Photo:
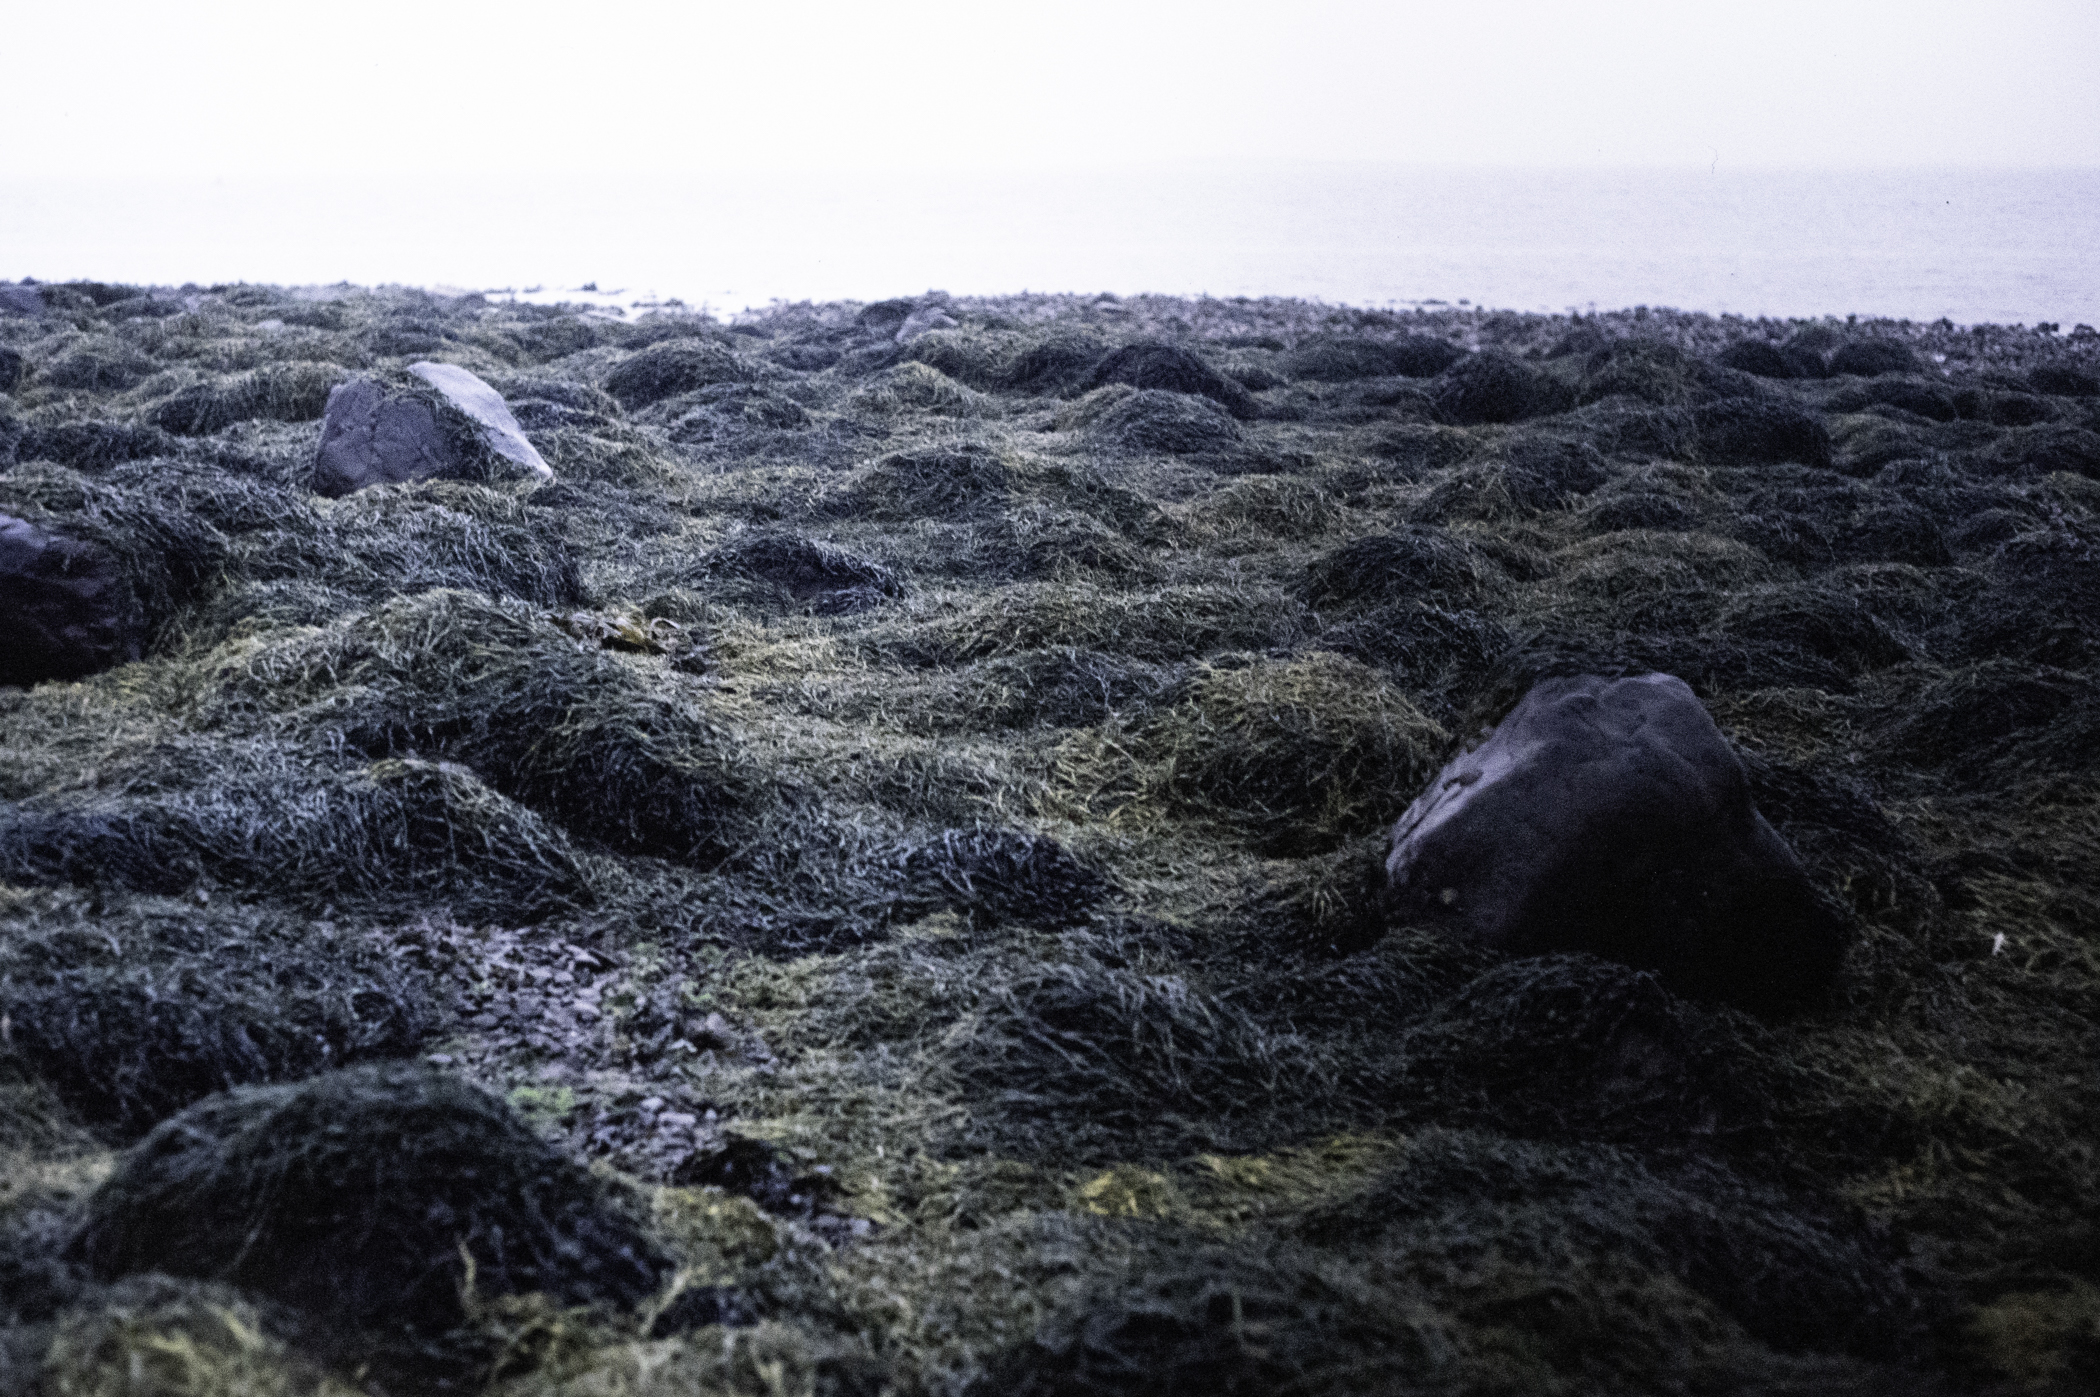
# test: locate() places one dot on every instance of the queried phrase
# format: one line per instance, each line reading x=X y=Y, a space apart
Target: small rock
x=1611 y=816
x=437 y=421
x=70 y=611
x=886 y=317
x=931 y=316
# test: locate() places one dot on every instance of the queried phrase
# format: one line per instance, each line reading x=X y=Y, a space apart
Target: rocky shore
x=852 y=850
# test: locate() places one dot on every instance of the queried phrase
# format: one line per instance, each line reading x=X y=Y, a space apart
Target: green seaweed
x=902 y=826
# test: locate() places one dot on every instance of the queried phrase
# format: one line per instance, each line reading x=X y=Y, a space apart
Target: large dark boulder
x=1171 y=369
x=1492 y=387
x=435 y=422
x=69 y=610
x=1611 y=816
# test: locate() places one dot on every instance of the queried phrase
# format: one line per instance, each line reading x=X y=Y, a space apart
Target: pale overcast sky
x=230 y=87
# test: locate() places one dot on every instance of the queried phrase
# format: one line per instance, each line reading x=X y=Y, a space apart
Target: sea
x=1967 y=245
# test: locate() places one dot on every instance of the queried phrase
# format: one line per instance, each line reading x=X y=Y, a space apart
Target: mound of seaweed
x=189 y=1000
x=888 y=852
x=564 y=728
x=1172 y=369
x=375 y=1201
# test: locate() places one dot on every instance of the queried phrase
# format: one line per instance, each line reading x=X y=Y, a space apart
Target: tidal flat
x=869 y=879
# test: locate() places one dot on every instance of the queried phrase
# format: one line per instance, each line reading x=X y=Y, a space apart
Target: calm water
x=1969 y=245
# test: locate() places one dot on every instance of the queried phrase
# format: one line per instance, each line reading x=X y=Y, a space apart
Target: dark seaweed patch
x=360 y=1198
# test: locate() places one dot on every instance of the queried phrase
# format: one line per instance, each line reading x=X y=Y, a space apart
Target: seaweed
x=939 y=790
x=135 y=1007
x=1155 y=420
x=374 y=1201
x=562 y=728
x=293 y=392
x=1295 y=755
x=994 y=875
x=103 y=364
x=671 y=367
x=399 y=832
x=1053 y=362
x=1392 y=566
x=1755 y=431
x=1871 y=358
x=1491 y=386
x=1343 y=359
x=92 y=446
x=1169 y=368
x=1074 y=1059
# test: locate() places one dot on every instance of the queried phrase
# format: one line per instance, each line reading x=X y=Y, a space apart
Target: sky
x=177 y=90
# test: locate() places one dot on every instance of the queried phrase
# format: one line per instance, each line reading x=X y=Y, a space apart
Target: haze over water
x=1969 y=245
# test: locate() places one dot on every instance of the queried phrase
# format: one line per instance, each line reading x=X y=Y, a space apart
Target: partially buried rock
x=69 y=609
x=436 y=421
x=1611 y=816
x=929 y=316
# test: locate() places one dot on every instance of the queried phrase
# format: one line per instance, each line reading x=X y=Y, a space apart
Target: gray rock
x=485 y=405
x=932 y=316
x=1611 y=816
x=66 y=609
x=437 y=421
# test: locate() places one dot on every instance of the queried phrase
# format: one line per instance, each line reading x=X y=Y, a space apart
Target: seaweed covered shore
x=868 y=880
